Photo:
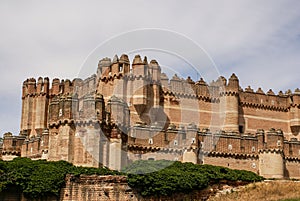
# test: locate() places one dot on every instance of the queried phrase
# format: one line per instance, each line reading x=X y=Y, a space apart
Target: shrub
x=180 y=177
x=39 y=178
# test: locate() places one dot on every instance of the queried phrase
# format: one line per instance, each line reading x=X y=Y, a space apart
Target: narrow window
x=241 y=129
x=60 y=112
x=193 y=140
x=278 y=143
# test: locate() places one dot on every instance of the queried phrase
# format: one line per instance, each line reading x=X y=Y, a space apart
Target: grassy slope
x=267 y=191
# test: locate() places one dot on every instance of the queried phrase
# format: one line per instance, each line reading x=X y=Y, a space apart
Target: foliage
x=146 y=166
x=39 y=178
x=180 y=177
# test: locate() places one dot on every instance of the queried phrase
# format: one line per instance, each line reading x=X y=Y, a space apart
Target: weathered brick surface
x=138 y=109
x=233 y=162
x=98 y=188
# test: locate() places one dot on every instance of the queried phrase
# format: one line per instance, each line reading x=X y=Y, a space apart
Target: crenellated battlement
x=140 y=69
x=132 y=110
x=188 y=87
x=120 y=68
x=33 y=88
x=222 y=142
x=137 y=86
x=269 y=100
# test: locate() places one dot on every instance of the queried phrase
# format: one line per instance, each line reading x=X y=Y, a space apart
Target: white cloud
x=259 y=40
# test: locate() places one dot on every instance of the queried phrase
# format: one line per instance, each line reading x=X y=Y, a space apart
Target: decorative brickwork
x=129 y=112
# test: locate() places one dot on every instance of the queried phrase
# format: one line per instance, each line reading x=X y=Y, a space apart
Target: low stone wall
x=98 y=188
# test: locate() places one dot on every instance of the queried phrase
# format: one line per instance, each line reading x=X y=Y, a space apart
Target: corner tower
x=229 y=100
x=295 y=113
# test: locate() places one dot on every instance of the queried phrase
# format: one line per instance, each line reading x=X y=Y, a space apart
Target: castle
x=128 y=112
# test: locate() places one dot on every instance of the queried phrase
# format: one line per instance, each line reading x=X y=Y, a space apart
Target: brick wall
x=233 y=162
x=98 y=188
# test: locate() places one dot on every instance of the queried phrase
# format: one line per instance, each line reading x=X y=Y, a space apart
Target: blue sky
x=258 y=40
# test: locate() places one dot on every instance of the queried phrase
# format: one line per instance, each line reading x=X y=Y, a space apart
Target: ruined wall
x=96 y=188
x=115 y=188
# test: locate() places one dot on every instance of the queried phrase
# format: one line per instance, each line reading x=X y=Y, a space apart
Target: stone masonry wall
x=98 y=188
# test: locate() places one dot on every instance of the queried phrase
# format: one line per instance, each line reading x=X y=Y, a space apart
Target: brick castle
x=128 y=112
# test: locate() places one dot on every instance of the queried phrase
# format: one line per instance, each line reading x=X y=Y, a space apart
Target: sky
x=257 y=40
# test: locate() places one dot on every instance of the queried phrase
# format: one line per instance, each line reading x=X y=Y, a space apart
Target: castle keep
x=127 y=112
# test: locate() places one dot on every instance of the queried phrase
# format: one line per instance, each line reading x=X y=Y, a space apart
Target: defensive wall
x=134 y=111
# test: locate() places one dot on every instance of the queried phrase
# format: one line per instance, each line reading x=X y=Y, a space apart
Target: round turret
x=118 y=110
x=31 y=84
x=124 y=59
x=155 y=70
x=233 y=83
x=55 y=86
x=103 y=67
x=137 y=60
x=229 y=104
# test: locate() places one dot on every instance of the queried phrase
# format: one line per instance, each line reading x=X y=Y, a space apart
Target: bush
x=40 y=178
x=180 y=177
